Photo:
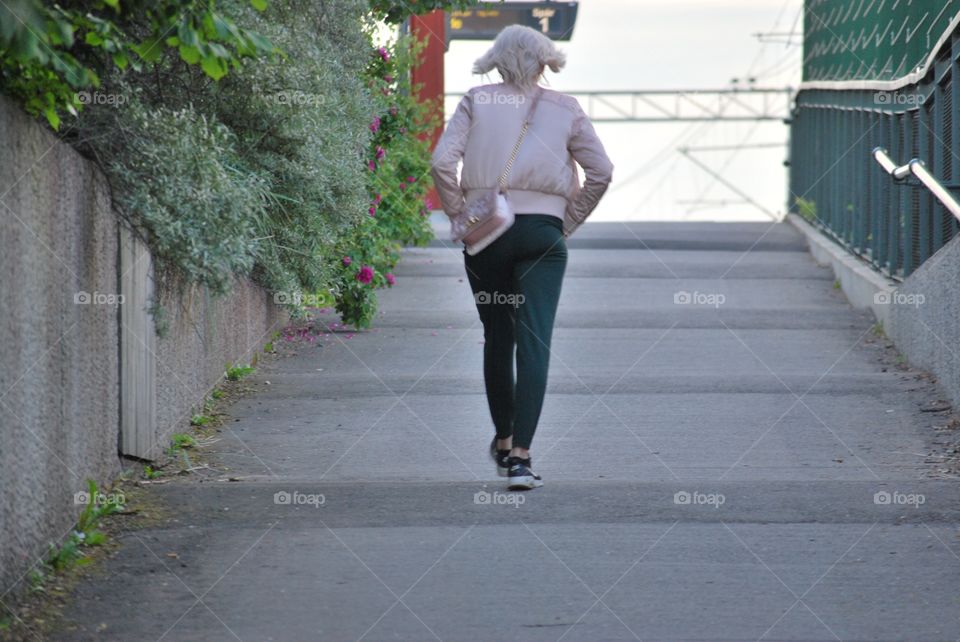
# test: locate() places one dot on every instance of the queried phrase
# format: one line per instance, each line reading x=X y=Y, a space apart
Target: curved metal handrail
x=920 y=171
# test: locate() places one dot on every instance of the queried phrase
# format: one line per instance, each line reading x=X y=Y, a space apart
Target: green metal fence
x=871 y=39
x=836 y=184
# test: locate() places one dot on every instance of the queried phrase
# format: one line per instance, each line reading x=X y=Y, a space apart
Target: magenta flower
x=390 y=278
x=377 y=199
x=365 y=275
x=411 y=179
x=347 y=261
x=403 y=187
x=375 y=125
x=384 y=54
x=427 y=203
x=372 y=211
x=380 y=153
x=372 y=166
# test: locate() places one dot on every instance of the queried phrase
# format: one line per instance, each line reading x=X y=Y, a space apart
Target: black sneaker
x=500 y=457
x=521 y=476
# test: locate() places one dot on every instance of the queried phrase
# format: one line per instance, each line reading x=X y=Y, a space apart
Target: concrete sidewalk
x=726 y=457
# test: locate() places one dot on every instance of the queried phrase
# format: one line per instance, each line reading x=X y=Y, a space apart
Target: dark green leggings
x=516 y=284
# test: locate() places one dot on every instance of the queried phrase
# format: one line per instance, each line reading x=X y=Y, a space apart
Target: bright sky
x=654 y=44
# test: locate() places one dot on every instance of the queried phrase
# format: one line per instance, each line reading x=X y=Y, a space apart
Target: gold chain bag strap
x=488 y=215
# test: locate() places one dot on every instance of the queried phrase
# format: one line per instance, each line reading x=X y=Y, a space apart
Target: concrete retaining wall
x=921 y=315
x=864 y=286
x=204 y=335
x=59 y=367
x=924 y=318
x=73 y=356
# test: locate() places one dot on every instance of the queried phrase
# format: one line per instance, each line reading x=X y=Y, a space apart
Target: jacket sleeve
x=588 y=151
x=447 y=155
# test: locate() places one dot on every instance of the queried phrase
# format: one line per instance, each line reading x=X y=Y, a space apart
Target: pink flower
x=375 y=125
x=403 y=187
x=390 y=278
x=346 y=261
x=427 y=203
x=372 y=166
x=411 y=179
x=372 y=211
x=384 y=54
x=380 y=153
x=377 y=199
x=365 y=275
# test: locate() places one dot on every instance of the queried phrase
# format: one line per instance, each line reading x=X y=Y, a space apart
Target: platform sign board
x=484 y=22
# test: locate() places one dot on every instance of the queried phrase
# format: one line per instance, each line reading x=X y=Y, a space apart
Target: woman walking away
x=520 y=145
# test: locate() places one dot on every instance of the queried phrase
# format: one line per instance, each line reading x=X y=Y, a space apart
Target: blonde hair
x=520 y=53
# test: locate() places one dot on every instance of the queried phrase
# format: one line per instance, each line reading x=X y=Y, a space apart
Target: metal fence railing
x=835 y=183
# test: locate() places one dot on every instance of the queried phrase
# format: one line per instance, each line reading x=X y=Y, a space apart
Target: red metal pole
x=430 y=27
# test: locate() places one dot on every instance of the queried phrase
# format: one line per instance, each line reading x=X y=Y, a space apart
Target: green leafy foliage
x=398 y=166
x=236 y=373
x=302 y=123
x=269 y=139
x=807 y=209
x=396 y=11
x=86 y=533
x=200 y=420
x=50 y=54
x=202 y=210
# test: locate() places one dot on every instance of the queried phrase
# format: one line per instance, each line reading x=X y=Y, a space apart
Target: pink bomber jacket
x=544 y=177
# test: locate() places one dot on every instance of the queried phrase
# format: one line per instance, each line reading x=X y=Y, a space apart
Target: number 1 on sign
x=544 y=16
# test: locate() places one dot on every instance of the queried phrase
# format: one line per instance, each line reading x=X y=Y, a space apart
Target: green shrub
x=178 y=175
x=303 y=121
x=51 y=53
x=807 y=209
x=309 y=150
x=236 y=373
x=396 y=11
x=398 y=165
